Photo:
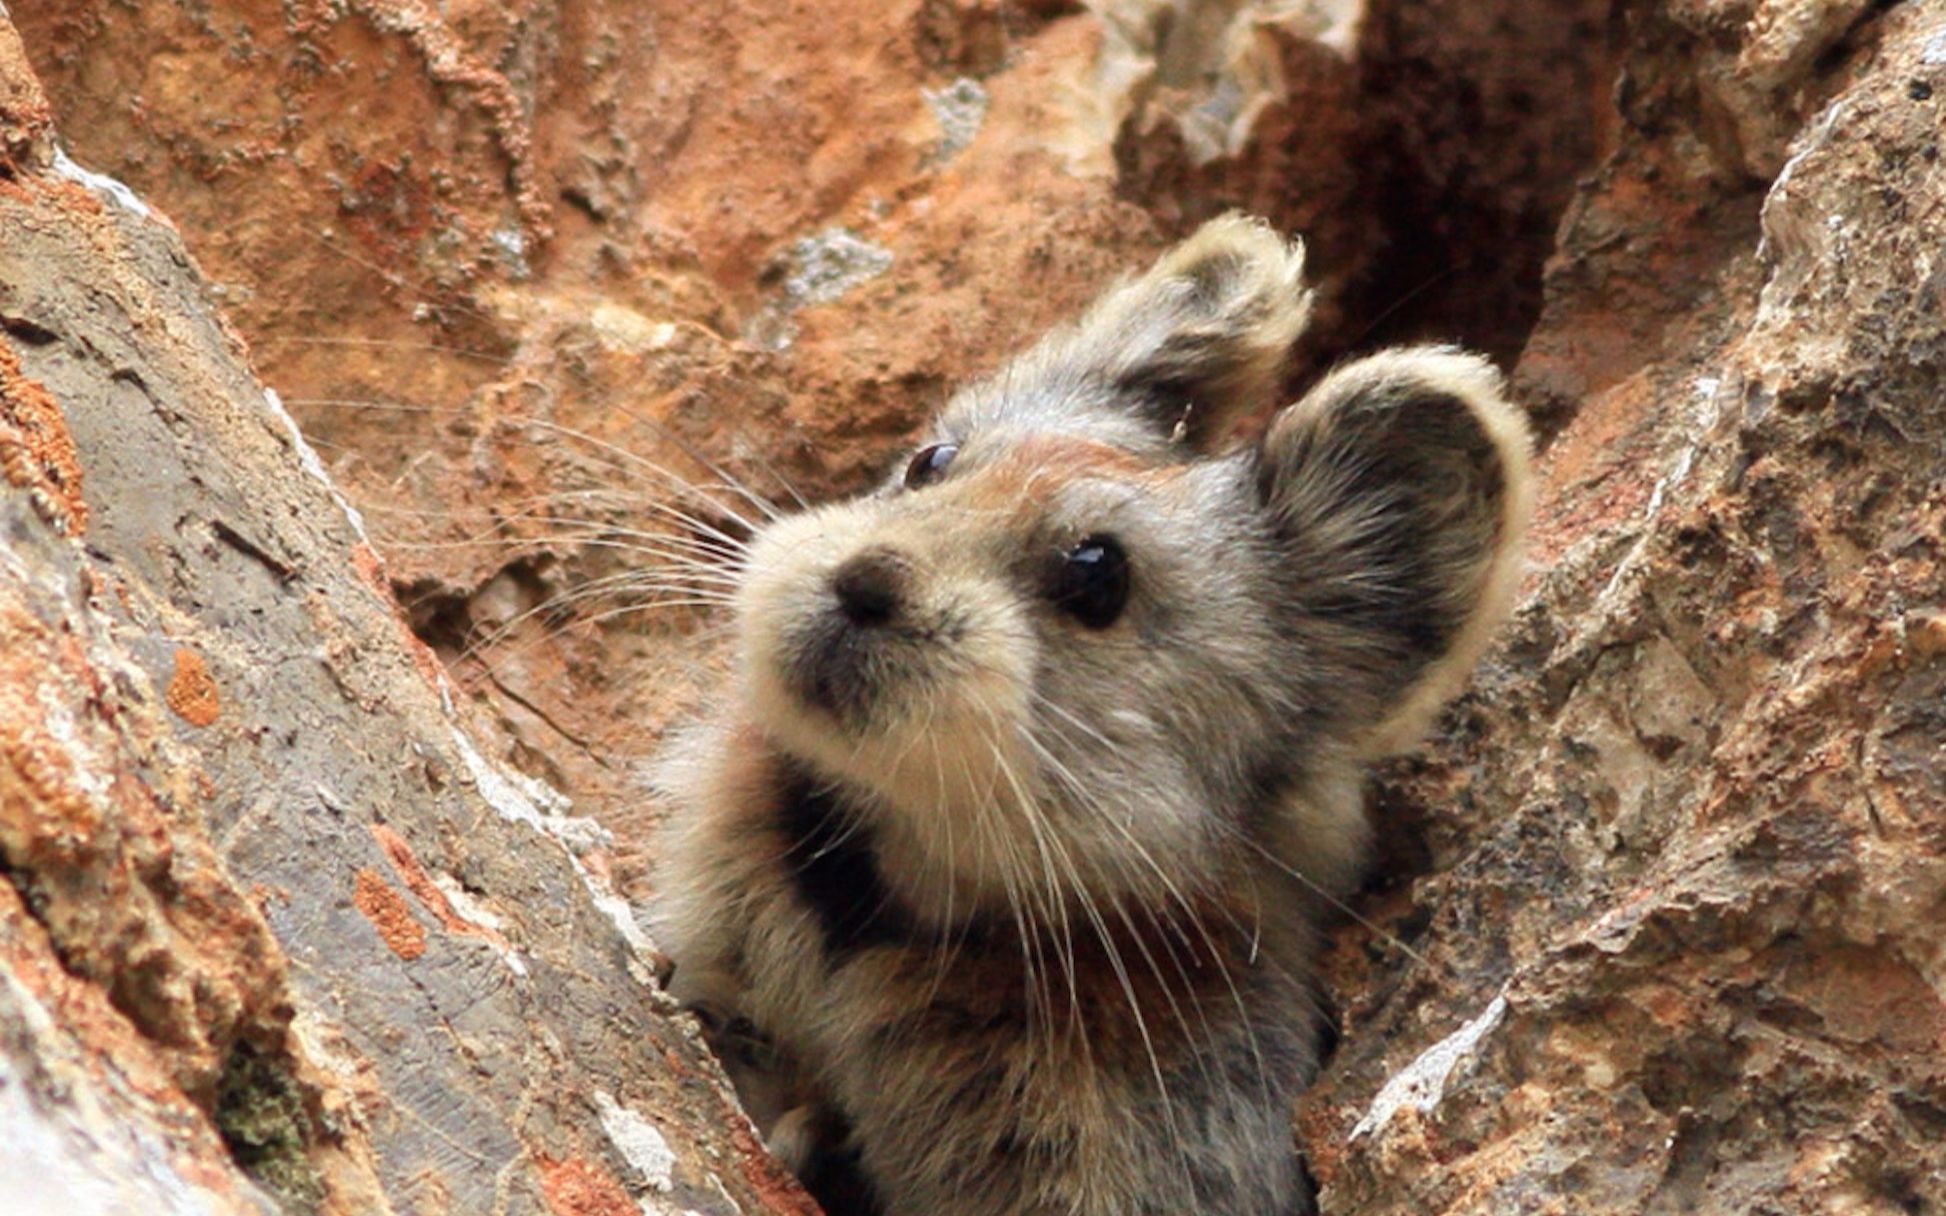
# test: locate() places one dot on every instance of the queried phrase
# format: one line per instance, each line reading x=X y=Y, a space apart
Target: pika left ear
x=1400 y=489
x=1179 y=351
x=1203 y=335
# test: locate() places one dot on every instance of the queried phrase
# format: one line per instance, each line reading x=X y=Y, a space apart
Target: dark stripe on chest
x=834 y=867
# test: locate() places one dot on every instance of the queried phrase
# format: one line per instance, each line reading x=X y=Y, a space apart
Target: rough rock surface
x=274 y=934
x=1656 y=929
x=1686 y=845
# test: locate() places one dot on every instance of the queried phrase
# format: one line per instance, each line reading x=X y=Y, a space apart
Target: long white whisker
x=482 y=356
x=1041 y=837
x=636 y=460
x=628 y=464
x=763 y=505
x=1378 y=931
x=1087 y=799
x=1117 y=965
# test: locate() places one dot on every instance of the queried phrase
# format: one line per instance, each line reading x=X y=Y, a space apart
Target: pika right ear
x=1400 y=489
x=1180 y=350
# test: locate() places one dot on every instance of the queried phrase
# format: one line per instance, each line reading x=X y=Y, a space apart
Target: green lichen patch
x=264 y=1119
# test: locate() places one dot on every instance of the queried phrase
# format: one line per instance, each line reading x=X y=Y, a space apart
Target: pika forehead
x=1017 y=476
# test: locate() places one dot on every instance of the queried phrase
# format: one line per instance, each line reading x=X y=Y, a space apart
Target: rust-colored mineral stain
x=28 y=118
x=573 y=1187
x=389 y=914
x=371 y=570
x=192 y=692
x=772 y=1182
x=36 y=451
x=422 y=886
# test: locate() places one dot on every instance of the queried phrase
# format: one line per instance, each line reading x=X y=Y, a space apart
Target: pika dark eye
x=928 y=464
x=1091 y=584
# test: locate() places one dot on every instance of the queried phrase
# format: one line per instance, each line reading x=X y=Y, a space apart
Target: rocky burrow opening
x=1476 y=123
x=1426 y=150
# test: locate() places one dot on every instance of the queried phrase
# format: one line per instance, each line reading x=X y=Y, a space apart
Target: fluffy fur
x=991 y=910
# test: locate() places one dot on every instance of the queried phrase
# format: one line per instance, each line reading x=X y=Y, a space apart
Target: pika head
x=1082 y=640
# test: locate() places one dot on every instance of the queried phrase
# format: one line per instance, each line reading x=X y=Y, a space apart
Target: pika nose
x=869 y=587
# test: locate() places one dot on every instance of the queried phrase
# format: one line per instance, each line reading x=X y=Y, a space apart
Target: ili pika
x=997 y=874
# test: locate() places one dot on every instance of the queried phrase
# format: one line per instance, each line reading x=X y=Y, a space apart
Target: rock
x=1654 y=929
x=1686 y=843
x=274 y=934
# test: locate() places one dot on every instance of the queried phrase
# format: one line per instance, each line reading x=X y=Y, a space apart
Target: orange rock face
x=250 y=856
x=36 y=452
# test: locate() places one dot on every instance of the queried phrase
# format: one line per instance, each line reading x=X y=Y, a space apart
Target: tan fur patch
x=1036 y=467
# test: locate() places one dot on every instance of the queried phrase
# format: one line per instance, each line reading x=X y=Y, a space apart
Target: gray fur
x=1031 y=907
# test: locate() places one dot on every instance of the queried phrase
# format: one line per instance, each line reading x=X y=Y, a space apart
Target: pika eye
x=929 y=464
x=1092 y=583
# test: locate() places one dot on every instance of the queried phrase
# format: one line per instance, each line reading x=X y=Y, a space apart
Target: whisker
x=1006 y=861
x=714 y=542
x=370 y=403
x=762 y=504
x=1190 y=915
x=701 y=563
x=669 y=476
x=1377 y=930
x=777 y=476
x=1037 y=832
x=1111 y=951
x=393 y=277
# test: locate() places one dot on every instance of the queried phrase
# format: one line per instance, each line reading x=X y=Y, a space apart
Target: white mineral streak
x=638 y=1141
x=307 y=456
x=86 y=772
x=101 y=184
x=1422 y=1083
x=1935 y=50
x=960 y=109
x=494 y=785
x=475 y=913
x=827 y=264
x=1705 y=411
x=818 y=269
x=512 y=244
x=524 y=800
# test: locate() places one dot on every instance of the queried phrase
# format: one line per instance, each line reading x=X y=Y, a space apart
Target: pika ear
x=1180 y=349
x=1202 y=336
x=1400 y=489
